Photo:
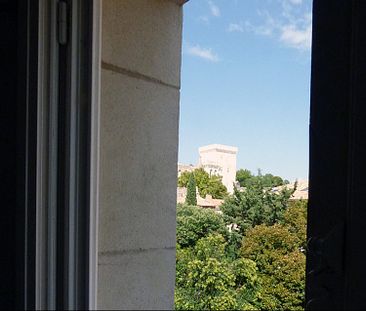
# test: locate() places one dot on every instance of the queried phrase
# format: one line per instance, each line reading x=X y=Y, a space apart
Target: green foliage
x=191 y=198
x=246 y=179
x=233 y=245
x=261 y=267
x=194 y=223
x=206 y=184
x=243 y=176
x=270 y=180
x=281 y=265
x=183 y=179
x=295 y=219
x=212 y=246
x=211 y=282
x=214 y=187
x=256 y=205
x=246 y=273
x=264 y=244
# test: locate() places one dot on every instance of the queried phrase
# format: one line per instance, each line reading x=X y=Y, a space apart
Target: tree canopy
x=281 y=266
x=243 y=176
x=246 y=178
x=191 y=198
x=206 y=184
x=256 y=204
x=208 y=280
x=194 y=223
x=259 y=265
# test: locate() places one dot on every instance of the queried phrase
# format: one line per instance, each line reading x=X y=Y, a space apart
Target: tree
x=256 y=205
x=194 y=223
x=259 y=267
x=270 y=180
x=191 y=198
x=295 y=219
x=207 y=280
x=242 y=176
x=246 y=179
x=214 y=187
x=281 y=266
x=206 y=184
x=183 y=179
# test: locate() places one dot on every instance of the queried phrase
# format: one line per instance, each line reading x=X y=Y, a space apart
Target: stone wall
x=141 y=58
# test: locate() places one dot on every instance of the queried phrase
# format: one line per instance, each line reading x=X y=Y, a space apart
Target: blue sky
x=246 y=82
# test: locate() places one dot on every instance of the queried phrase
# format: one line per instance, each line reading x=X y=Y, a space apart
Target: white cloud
x=215 y=11
x=266 y=29
x=205 y=53
x=235 y=27
x=297 y=38
x=297 y=33
x=291 y=28
x=204 y=19
x=296 y=2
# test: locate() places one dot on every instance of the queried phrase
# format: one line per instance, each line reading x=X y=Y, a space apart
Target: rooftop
x=218 y=147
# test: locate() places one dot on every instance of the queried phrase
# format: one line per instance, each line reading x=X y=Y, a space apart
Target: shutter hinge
x=62 y=22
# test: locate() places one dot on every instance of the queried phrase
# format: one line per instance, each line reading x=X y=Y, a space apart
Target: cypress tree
x=191 y=198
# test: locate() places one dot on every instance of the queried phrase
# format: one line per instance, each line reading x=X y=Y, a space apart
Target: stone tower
x=220 y=160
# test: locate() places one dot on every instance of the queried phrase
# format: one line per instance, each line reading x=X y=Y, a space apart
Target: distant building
x=219 y=160
x=301 y=192
x=181 y=194
x=185 y=168
x=207 y=202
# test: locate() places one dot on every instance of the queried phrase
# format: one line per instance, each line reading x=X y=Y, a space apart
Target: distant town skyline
x=245 y=82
